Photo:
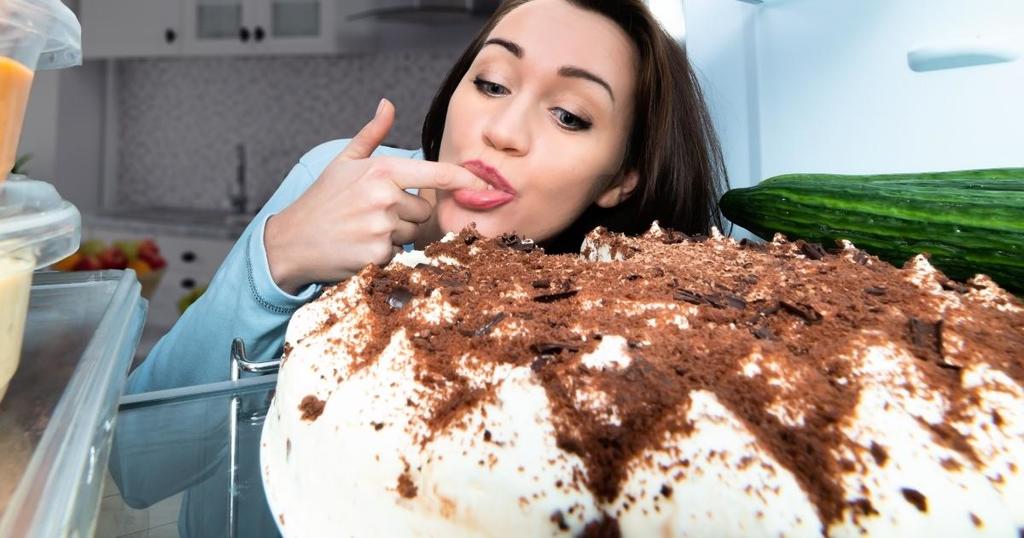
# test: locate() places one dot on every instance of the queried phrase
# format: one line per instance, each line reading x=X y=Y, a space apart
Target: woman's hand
x=357 y=212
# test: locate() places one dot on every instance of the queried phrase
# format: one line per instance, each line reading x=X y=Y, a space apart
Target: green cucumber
x=969 y=221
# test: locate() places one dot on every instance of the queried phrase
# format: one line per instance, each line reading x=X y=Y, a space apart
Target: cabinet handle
x=188 y=283
x=243 y=34
x=170 y=35
x=188 y=256
x=258 y=34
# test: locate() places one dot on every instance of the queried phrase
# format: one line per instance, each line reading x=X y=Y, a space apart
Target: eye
x=570 y=121
x=487 y=87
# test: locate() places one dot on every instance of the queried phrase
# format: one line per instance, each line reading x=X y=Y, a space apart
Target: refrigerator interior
x=861 y=86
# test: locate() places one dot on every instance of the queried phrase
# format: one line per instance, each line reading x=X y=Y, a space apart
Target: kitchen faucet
x=238 y=196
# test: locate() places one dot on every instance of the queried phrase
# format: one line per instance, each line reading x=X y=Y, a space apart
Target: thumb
x=372 y=134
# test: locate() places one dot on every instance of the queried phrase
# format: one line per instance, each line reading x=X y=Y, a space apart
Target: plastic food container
x=37 y=228
x=34 y=34
x=58 y=418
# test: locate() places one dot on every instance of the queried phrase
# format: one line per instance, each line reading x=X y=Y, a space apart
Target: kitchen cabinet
x=148 y=28
x=259 y=26
x=191 y=263
x=125 y=28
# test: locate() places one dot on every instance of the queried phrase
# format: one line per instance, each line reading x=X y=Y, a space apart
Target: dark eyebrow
x=576 y=72
x=516 y=50
x=565 y=71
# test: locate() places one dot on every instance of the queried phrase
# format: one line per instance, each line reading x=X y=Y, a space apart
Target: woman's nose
x=507 y=130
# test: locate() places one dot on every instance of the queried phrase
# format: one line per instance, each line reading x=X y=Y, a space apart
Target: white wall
x=837 y=93
x=719 y=43
x=80 y=135
x=825 y=85
x=39 y=132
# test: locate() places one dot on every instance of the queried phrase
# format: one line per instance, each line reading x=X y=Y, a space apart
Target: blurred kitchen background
x=187 y=114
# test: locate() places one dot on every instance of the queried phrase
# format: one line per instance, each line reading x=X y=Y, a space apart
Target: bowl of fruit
x=142 y=256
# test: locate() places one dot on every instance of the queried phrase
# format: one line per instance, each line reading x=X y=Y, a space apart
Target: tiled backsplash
x=181 y=119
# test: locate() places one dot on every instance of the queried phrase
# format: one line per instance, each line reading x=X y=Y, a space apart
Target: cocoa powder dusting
x=311 y=407
x=805 y=308
x=405 y=486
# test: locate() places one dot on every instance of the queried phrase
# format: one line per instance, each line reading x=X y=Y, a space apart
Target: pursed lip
x=502 y=191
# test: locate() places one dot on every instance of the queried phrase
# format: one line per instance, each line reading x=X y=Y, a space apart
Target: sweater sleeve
x=242 y=300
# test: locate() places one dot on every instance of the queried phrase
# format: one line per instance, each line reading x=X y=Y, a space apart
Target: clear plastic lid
x=35 y=221
x=41 y=34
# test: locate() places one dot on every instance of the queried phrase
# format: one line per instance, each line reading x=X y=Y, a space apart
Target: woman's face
x=543 y=116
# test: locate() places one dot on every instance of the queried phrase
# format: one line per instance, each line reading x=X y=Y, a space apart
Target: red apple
x=153 y=259
x=89 y=263
x=148 y=247
x=113 y=258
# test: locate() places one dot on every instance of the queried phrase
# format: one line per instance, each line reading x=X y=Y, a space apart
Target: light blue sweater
x=242 y=299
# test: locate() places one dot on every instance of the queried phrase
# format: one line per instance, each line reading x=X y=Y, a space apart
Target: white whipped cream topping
x=499 y=471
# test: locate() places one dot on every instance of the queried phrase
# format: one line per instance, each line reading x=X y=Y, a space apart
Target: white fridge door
x=861 y=86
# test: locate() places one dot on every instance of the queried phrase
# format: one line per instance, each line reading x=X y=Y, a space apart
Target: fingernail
x=380 y=107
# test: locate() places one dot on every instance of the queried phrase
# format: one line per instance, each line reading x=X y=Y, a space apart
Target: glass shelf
x=57 y=418
x=180 y=441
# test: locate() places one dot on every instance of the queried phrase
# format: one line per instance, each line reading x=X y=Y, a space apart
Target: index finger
x=410 y=174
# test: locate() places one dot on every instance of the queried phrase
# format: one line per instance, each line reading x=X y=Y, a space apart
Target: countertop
x=207 y=224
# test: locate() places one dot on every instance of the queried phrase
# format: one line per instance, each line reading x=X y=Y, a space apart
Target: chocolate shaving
x=489 y=326
x=558 y=519
x=515 y=242
x=813 y=251
x=879 y=453
x=688 y=296
x=556 y=296
x=432 y=268
x=553 y=348
x=398 y=298
x=671 y=237
x=769 y=310
x=915 y=498
x=539 y=363
x=752 y=245
x=952 y=285
x=806 y=312
x=764 y=333
x=925 y=335
x=606 y=527
x=735 y=302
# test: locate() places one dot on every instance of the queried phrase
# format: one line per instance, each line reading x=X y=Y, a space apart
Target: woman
x=560 y=116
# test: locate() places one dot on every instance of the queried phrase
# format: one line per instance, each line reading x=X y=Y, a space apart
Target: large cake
x=656 y=386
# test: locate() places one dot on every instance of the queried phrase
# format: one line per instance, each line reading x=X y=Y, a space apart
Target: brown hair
x=672 y=145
